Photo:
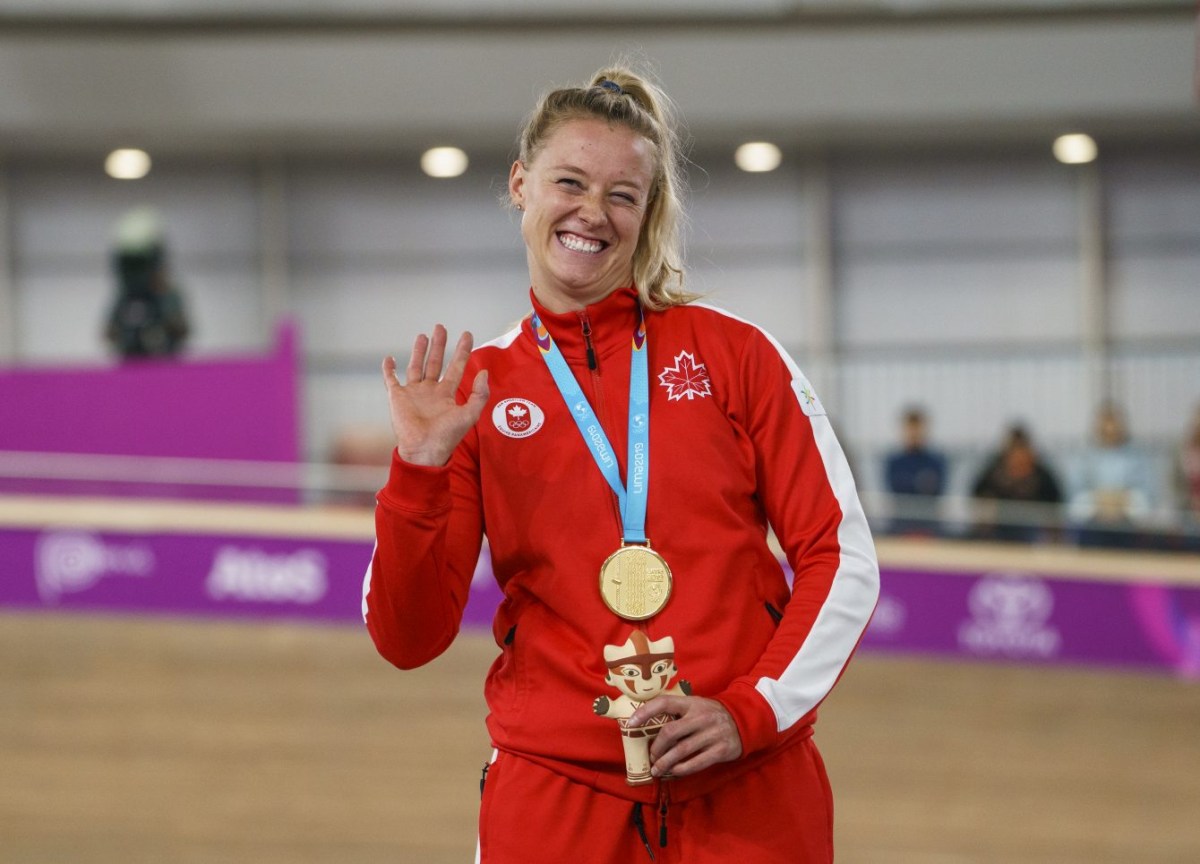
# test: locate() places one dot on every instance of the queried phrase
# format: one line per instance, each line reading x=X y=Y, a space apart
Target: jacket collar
x=612 y=322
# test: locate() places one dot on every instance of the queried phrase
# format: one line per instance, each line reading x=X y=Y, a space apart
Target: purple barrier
x=1032 y=618
x=1023 y=617
x=238 y=408
x=238 y=576
x=192 y=574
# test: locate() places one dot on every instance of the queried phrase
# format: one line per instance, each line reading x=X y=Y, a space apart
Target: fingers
x=702 y=735
x=707 y=745
x=416 y=361
x=658 y=705
x=428 y=356
x=462 y=353
x=427 y=419
x=436 y=355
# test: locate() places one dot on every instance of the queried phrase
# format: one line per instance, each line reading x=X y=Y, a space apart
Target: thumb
x=479 y=392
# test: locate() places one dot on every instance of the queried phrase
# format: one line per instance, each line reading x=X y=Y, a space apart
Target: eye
x=661 y=667
x=569 y=181
x=630 y=672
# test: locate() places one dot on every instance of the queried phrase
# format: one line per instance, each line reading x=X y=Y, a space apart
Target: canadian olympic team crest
x=517 y=418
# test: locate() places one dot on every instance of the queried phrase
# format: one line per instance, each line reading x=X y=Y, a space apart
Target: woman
x=1016 y=493
x=624 y=450
x=1111 y=484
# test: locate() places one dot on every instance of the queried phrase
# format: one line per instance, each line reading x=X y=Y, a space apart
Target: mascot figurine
x=641 y=670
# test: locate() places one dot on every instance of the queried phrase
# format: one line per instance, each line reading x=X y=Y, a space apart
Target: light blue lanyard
x=633 y=501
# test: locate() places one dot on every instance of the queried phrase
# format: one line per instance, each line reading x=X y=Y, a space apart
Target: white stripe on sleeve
x=844 y=616
x=367 y=580
x=847 y=610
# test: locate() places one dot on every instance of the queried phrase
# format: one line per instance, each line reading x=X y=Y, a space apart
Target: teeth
x=578 y=244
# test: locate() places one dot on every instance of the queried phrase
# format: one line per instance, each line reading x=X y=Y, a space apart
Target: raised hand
x=426 y=417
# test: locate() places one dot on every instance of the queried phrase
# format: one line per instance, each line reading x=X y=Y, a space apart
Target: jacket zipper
x=664 y=800
x=586 y=323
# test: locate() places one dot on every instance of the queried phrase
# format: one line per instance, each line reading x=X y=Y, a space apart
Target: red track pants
x=779 y=813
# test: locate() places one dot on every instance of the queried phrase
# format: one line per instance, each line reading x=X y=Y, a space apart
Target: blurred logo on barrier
x=1010 y=616
x=69 y=562
x=254 y=575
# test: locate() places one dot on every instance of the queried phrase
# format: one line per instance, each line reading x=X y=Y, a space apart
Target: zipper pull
x=587 y=340
x=662 y=818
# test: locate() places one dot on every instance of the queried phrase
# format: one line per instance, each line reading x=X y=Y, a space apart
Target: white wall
x=956 y=277
x=378 y=254
x=1154 y=222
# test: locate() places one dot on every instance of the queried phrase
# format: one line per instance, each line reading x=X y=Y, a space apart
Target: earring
x=521 y=208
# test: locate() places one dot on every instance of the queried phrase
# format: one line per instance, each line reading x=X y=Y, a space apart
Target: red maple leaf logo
x=517 y=418
x=686 y=378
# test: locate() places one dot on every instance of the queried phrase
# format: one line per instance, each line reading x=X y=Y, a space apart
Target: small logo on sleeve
x=809 y=403
x=517 y=418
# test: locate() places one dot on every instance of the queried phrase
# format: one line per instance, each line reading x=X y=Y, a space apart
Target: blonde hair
x=621 y=96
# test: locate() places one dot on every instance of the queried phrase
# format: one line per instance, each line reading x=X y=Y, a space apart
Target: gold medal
x=635 y=582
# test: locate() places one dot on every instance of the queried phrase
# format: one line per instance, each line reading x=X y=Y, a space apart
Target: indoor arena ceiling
x=354 y=76
x=474 y=12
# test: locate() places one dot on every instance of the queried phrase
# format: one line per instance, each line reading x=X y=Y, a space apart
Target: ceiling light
x=127 y=164
x=758 y=156
x=1074 y=149
x=443 y=162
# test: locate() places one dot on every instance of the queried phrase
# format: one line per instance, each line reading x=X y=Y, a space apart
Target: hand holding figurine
x=641 y=670
x=701 y=735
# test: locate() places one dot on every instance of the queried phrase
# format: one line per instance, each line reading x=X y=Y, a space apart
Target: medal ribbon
x=632 y=502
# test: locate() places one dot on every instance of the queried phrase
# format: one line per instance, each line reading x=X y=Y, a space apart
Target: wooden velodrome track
x=130 y=740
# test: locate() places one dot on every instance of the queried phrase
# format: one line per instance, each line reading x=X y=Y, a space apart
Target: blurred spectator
x=1110 y=492
x=148 y=317
x=1016 y=493
x=1187 y=474
x=916 y=477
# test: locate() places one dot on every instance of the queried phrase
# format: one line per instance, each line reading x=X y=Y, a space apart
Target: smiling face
x=584 y=196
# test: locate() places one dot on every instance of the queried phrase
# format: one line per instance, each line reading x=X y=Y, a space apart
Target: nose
x=591 y=210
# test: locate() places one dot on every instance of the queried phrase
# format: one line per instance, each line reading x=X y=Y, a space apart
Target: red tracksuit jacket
x=737 y=440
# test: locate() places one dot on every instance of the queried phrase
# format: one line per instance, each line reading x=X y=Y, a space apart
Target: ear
x=516 y=183
x=608 y=679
